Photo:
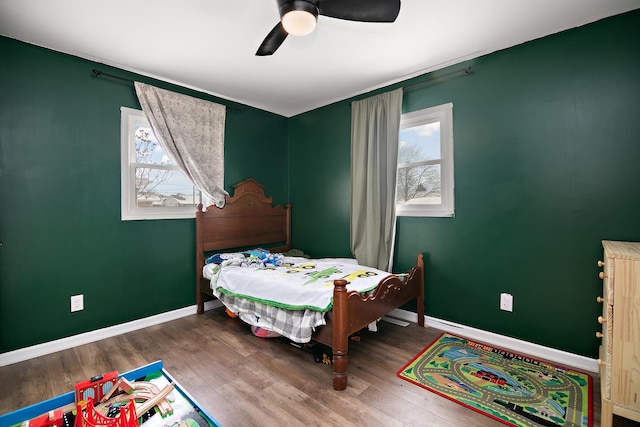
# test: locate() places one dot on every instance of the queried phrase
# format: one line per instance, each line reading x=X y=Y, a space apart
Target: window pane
x=419 y=185
x=164 y=188
x=148 y=149
x=419 y=143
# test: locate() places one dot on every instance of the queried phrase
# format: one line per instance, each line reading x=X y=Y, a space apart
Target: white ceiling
x=209 y=45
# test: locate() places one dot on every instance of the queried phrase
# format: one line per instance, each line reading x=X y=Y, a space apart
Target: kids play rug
x=513 y=389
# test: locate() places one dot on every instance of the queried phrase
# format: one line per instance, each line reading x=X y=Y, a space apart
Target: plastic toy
x=95 y=387
x=87 y=416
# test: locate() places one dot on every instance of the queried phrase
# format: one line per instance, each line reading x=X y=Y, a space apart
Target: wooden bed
x=249 y=219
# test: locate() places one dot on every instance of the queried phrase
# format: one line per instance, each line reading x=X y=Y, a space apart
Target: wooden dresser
x=620 y=350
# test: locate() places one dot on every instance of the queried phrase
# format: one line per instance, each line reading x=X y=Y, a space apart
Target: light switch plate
x=506 y=302
x=77 y=302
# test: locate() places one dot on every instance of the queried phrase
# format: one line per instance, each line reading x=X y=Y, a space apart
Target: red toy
x=87 y=416
x=96 y=387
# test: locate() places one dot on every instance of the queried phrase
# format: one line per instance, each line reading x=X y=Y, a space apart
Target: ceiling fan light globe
x=299 y=22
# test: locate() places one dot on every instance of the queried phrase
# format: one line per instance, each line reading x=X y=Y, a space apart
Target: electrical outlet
x=506 y=302
x=77 y=302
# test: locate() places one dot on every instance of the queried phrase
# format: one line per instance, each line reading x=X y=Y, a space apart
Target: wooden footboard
x=353 y=312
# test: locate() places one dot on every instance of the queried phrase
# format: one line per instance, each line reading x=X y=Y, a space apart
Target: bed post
x=340 y=335
x=420 y=298
x=199 y=259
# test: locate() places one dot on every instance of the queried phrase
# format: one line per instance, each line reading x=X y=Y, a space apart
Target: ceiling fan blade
x=360 y=10
x=272 y=42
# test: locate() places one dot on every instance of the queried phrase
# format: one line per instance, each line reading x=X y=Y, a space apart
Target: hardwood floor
x=243 y=380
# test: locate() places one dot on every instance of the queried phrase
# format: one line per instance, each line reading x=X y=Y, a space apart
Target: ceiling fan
x=298 y=17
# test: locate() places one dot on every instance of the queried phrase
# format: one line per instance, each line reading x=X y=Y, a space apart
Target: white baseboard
x=524 y=347
x=531 y=349
x=38 y=350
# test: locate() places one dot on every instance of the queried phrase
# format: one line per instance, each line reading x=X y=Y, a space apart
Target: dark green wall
x=547 y=164
x=60 y=221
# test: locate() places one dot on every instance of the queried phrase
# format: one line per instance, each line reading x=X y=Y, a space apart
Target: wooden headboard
x=248 y=219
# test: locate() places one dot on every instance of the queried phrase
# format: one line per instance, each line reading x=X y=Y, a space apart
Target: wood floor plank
x=309 y=411
x=259 y=408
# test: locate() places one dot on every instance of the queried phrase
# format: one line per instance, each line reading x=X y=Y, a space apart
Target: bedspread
x=296 y=284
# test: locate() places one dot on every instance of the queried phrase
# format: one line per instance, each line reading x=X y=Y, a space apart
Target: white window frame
x=129 y=118
x=443 y=114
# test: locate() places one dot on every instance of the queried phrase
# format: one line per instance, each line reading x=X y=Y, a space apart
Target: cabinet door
x=625 y=358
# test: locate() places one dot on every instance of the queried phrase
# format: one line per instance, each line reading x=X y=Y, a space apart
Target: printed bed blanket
x=291 y=283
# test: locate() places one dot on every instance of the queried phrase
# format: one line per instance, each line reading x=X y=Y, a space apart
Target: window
x=153 y=187
x=425 y=163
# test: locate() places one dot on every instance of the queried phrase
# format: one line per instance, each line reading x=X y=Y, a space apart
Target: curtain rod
x=466 y=71
x=99 y=73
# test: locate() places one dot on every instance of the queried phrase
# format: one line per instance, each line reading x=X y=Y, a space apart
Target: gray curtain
x=375 y=124
x=191 y=130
